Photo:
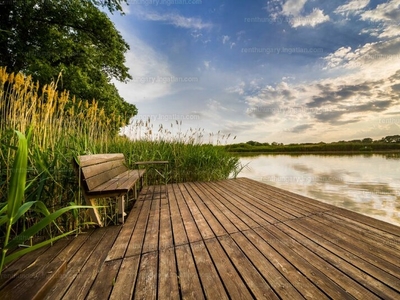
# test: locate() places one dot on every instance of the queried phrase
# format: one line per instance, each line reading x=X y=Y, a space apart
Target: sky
x=286 y=71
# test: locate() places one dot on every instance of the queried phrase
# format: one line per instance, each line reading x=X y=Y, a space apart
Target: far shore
x=316 y=152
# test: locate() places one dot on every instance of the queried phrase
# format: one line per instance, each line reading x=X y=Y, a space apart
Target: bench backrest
x=97 y=169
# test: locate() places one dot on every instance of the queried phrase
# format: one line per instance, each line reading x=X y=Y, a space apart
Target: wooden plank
x=198 y=218
x=344 y=281
x=264 y=204
x=387 y=233
x=257 y=210
x=126 y=279
x=168 y=286
x=253 y=279
x=225 y=222
x=366 y=220
x=368 y=232
x=188 y=277
x=89 y=271
x=361 y=276
x=356 y=247
x=178 y=229
x=333 y=246
x=104 y=281
x=146 y=285
x=292 y=274
x=149 y=193
x=153 y=228
x=19 y=266
x=192 y=231
x=379 y=249
x=165 y=237
x=138 y=234
x=143 y=193
x=311 y=204
x=85 y=160
x=298 y=207
x=210 y=280
x=199 y=199
x=275 y=279
x=246 y=216
x=269 y=204
x=234 y=285
x=41 y=269
x=31 y=289
x=283 y=246
x=93 y=170
x=76 y=263
x=121 y=243
x=99 y=178
x=220 y=203
x=120 y=183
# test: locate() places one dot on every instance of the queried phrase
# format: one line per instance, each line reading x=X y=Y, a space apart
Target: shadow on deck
x=236 y=238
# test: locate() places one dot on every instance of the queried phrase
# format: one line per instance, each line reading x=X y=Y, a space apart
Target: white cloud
x=353 y=6
x=373 y=60
x=338 y=58
x=175 y=20
x=363 y=91
x=293 y=7
x=238 y=89
x=149 y=70
x=313 y=19
x=386 y=14
x=215 y=105
x=225 y=39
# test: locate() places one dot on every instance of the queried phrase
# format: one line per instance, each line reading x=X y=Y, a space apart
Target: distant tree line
x=363 y=145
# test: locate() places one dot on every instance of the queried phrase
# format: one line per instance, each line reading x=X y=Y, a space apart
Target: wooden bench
x=106 y=175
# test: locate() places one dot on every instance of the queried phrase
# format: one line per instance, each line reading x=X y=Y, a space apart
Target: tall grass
x=15 y=208
x=64 y=127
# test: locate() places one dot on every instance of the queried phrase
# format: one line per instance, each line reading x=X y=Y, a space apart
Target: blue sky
x=279 y=70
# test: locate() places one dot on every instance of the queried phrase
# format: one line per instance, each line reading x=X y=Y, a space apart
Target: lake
x=368 y=184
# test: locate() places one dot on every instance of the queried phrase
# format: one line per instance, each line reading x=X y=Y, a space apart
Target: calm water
x=368 y=184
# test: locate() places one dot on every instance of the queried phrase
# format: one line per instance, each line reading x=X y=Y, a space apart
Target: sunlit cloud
x=175 y=20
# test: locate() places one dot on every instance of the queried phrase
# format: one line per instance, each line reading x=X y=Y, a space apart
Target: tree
x=45 y=37
x=367 y=140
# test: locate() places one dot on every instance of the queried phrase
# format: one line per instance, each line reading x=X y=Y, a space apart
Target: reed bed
x=64 y=127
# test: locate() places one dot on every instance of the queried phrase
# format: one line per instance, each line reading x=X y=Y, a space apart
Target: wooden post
x=121 y=208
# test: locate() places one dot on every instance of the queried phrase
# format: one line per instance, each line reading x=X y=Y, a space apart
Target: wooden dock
x=231 y=239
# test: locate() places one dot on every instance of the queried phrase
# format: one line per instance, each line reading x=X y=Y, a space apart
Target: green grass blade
x=18 y=178
x=3 y=209
x=18 y=254
x=31 y=231
x=23 y=209
x=3 y=220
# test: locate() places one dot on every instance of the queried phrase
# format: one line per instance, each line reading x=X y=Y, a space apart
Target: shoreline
x=316 y=152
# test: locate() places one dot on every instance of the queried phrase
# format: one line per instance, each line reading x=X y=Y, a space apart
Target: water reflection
x=367 y=183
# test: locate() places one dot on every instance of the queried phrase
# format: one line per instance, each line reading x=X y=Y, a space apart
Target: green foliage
x=14 y=209
x=44 y=38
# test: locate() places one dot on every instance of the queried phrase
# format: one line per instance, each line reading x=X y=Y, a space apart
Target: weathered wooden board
x=231 y=239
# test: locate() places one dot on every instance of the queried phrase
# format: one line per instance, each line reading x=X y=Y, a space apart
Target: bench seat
x=106 y=175
x=118 y=185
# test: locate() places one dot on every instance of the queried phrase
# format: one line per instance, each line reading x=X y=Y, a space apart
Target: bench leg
x=94 y=213
x=121 y=208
